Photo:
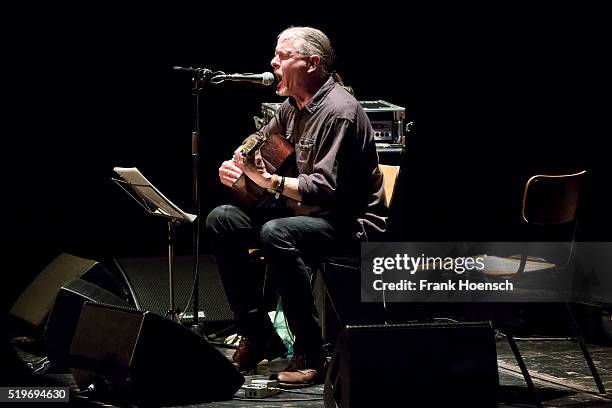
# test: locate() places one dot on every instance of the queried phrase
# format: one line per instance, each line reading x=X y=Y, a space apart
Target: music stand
x=155 y=203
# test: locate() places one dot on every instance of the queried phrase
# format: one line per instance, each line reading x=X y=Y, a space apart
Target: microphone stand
x=199 y=78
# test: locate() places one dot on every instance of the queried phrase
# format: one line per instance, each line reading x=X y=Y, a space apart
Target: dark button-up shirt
x=336 y=158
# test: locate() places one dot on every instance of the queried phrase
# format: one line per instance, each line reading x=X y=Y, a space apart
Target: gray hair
x=312 y=41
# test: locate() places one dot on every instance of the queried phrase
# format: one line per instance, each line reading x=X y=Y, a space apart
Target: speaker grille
x=148 y=359
x=34 y=304
x=65 y=314
x=149 y=280
x=458 y=358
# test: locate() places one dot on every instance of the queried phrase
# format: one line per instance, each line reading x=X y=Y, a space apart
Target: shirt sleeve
x=318 y=187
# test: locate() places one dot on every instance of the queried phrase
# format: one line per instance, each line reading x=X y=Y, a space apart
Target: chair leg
x=585 y=351
x=329 y=317
x=523 y=367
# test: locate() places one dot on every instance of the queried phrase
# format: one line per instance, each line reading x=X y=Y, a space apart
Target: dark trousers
x=287 y=243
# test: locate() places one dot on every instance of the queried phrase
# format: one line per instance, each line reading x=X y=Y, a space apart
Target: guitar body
x=278 y=156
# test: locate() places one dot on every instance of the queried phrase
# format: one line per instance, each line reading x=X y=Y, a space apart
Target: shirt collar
x=318 y=97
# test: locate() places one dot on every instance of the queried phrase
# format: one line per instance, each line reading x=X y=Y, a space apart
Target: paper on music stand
x=147 y=191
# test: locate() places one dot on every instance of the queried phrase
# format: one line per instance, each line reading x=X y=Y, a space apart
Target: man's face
x=290 y=68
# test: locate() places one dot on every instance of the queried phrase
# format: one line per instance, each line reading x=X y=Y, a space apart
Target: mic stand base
x=197 y=329
x=173 y=313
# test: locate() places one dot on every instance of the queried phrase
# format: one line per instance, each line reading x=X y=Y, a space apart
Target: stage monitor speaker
x=35 y=302
x=145 y=358
x=441 y=363
x=64 y=317
x=148 y=280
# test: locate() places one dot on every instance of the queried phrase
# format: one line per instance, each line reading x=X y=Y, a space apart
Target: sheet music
x=148 y=191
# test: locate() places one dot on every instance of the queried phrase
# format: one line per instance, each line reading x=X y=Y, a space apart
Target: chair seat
x=500 y=266
x=347 y=260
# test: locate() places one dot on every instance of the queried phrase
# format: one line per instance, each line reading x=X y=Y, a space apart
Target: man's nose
x=274 y=62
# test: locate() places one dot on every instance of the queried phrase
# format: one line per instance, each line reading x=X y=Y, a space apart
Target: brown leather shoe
x=303 y=371
x=249 y=354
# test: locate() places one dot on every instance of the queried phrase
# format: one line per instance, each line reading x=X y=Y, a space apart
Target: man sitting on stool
x=337 y=196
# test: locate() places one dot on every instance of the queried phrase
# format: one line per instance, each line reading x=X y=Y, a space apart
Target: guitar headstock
x=251 y=145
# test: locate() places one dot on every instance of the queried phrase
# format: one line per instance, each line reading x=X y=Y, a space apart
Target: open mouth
x=278 y=79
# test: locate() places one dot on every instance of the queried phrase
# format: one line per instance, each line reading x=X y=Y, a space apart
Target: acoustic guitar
x=278 y=156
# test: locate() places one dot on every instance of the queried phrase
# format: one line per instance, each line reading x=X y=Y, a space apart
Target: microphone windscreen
x=267 y=78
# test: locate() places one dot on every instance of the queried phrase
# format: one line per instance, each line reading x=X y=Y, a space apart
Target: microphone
x=198 y=72
x=267 y=78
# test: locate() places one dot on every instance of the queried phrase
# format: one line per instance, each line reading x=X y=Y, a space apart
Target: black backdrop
x=494 y=99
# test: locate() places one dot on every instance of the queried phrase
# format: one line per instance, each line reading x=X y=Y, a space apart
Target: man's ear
x=314 y=63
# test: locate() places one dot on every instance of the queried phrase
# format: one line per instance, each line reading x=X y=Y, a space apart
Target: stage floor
x=557 y=366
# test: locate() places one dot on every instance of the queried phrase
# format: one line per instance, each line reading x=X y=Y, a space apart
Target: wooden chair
x=336 y=279
x=327 y=290
x=390 y=175
x=549 y=209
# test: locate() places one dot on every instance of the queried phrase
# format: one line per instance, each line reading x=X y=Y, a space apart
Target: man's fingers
x=231 y=174
x=238 y=158
x=228 y=180
x=239 y=165
x=230 y=165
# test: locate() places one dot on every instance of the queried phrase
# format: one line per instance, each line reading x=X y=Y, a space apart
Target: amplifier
x=387 y=119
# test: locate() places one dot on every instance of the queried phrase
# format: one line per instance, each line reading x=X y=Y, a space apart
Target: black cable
x=42 y=360
x=538 y=338
x=448 y=319
x=223 y=345
x=278 y=400
x=39 y=365
x=82 y=393
x=298 y=392
x=223 y=331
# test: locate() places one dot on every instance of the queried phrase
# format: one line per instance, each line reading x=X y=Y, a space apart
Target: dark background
x=496 y=96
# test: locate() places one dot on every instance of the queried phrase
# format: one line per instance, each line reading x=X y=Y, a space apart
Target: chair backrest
x=551 y=199
x=390 y=175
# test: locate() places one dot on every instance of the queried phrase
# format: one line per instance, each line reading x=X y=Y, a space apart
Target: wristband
x=280 y=188
x=274 y=183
